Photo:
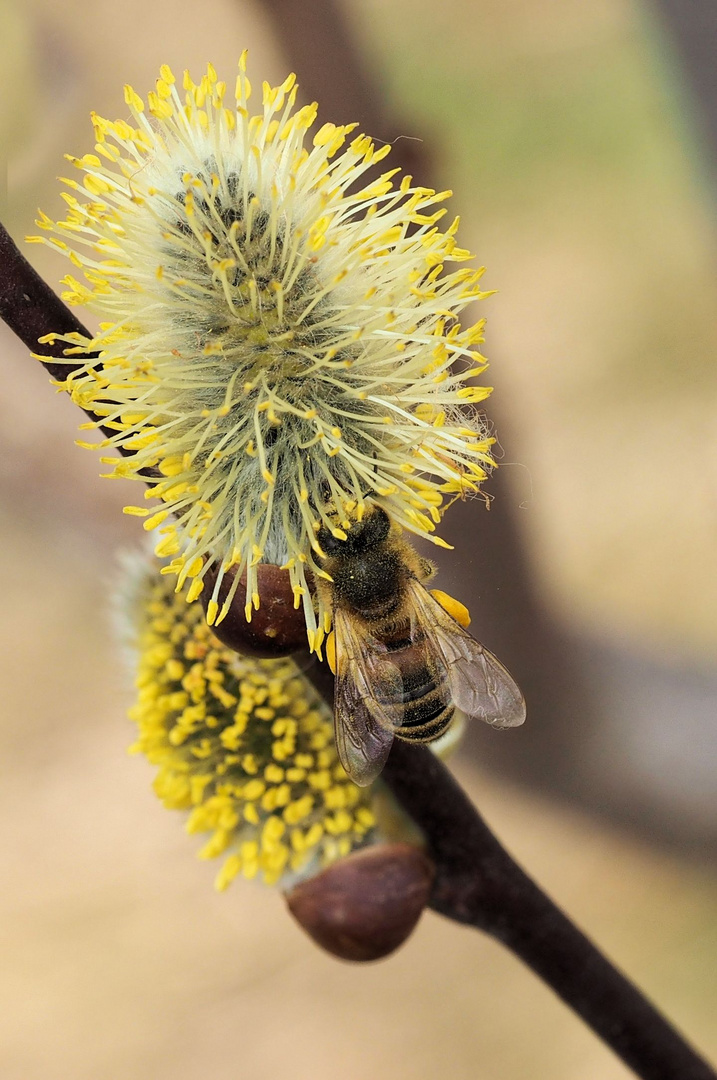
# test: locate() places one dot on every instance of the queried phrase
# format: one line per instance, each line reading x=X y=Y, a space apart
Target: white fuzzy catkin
x=280 y=344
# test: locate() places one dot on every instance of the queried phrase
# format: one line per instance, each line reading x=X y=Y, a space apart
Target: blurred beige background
x=573 y=152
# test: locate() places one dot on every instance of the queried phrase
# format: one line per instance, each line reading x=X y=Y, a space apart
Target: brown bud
x=276 y=629
x=366 y=905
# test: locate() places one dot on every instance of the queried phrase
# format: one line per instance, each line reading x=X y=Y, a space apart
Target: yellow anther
x=195 y=589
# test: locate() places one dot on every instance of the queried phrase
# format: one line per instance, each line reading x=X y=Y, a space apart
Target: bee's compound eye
x=328 y=543
x=377 y=526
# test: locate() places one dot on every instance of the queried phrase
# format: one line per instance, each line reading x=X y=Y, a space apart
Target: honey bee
x=403 y=664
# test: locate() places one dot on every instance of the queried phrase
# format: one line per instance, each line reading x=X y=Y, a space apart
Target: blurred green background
x=576 y=156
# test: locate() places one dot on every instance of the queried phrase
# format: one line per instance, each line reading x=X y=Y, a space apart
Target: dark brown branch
x=32 y=310
x=479 y=884
x=477 y=881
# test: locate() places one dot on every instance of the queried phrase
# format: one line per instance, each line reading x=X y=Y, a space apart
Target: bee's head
x=362 y=536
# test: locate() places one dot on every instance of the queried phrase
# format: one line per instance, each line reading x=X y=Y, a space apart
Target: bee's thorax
x=372 y=585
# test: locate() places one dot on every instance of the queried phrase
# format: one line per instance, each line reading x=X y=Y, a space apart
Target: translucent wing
x=366 y=688
x=480 y=686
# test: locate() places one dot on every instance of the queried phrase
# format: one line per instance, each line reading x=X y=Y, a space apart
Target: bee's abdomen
x=426 y=718
x=425 y=700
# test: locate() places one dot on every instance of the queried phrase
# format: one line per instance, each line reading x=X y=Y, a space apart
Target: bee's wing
x=365 y=685
x=480 y=685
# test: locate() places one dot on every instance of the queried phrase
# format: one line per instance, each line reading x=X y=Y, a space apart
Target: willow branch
x=477 y=882
x=32 y=310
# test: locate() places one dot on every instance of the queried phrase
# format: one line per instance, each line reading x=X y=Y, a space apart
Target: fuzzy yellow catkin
x=244 y=746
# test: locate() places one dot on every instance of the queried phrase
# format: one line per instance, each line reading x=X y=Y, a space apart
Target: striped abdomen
x=424 y=699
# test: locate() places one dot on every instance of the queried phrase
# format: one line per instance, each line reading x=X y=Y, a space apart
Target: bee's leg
x=425 y=570
x=455 y=608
